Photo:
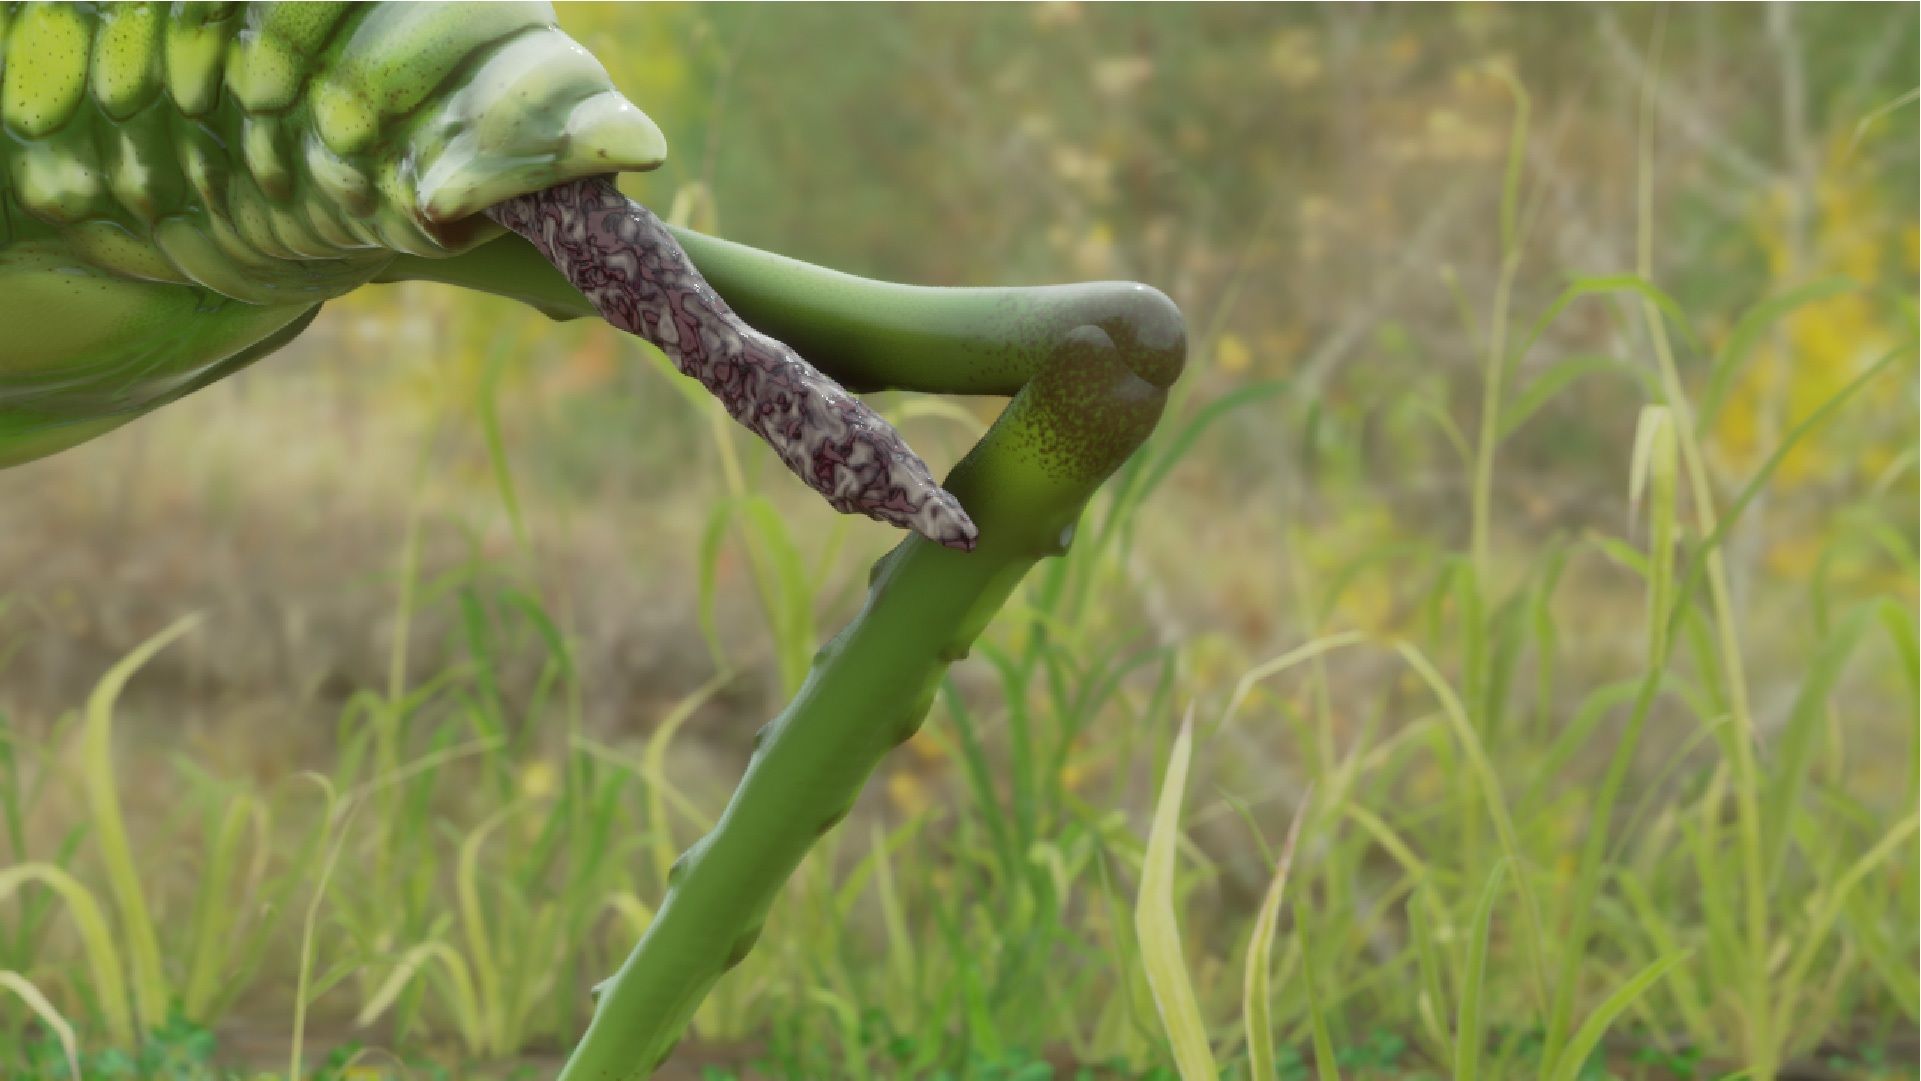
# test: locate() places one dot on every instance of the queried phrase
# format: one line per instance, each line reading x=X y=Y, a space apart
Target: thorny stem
x=1088 y=367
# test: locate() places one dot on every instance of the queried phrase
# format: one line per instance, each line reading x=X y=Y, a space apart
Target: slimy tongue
x=623 y=259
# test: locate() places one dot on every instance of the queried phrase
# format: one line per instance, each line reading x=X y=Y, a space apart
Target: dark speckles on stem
x=1098 y=407
x=1145 y=328
x=1149 y=334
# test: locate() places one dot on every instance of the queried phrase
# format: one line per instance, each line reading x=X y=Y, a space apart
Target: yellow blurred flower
x=1118 y=76
x=926 y=747
x=538 y=779
x=1450 y=136
x=1095 y=252
x=1564 y=865
x=1486 y=79
x=1072 y=774
x=1368 y=603
x=1232 y=354
x=1819 y=347
x=1294 y=57
x=1794 y=555
x=1055 y=13
x=906 y=792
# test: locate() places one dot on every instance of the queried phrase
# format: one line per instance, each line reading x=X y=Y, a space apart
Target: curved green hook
x=1088 y=367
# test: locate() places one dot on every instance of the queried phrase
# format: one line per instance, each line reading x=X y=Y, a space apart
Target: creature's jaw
x=604 y=134
x=538 y=113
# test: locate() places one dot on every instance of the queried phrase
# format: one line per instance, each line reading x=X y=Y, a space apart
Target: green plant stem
x=1088 y=367
x=1760 y=1037
x=1495 y=374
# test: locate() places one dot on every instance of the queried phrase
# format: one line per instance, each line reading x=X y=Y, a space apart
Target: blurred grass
x=1575 y=510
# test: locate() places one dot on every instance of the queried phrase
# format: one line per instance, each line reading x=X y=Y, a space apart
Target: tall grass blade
x=1899 y=623
x=1546 y=386
x=50 y=1017
x=150 y=992
x=661 y=790
x=1494 y=371
x=487 y=403
x=788 y=597
x=1469 y=1032
x=1159 y=929
x=1662 y=477
x=1245 y=685
x=103 y=957
x=1748 y=330
x=708 y=577
x=1637 y=285
x=1182 y=441
x=473 y=919
x=1497 y=807
x=1685 y=989
x=1255 y=1006
x=1795 y=748
x=214 y=920
x=304 y=977
x=1707 y=553
x=1586 y=1038
x=463 y=1003
x=1828 y=910
x=1327 y=1063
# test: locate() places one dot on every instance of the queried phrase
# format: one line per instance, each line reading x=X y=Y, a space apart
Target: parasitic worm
x=624 y=261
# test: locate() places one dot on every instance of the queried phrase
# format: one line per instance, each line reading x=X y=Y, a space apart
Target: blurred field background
x=497 y=581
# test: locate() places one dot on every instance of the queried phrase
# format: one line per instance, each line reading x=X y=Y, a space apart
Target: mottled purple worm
x=625 y=262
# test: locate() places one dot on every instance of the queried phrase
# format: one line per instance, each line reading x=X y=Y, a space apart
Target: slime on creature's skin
x=624 y=261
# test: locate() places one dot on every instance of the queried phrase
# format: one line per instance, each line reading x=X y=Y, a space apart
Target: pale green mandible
x=183 y=187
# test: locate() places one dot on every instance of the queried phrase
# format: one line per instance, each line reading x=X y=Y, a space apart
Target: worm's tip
x=946 y=524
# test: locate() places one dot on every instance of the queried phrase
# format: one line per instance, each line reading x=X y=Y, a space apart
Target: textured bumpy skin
x=181 y=185
x=625 y=262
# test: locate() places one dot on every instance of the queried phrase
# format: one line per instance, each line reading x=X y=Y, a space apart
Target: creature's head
x=459 y=106
x=283 y=152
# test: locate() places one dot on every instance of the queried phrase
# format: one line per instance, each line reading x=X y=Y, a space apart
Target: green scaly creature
x=183 y=186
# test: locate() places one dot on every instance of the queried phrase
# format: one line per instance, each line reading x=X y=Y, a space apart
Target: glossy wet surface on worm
x=623 y=259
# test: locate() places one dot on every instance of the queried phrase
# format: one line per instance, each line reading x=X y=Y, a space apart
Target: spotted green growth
x=184 y=186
